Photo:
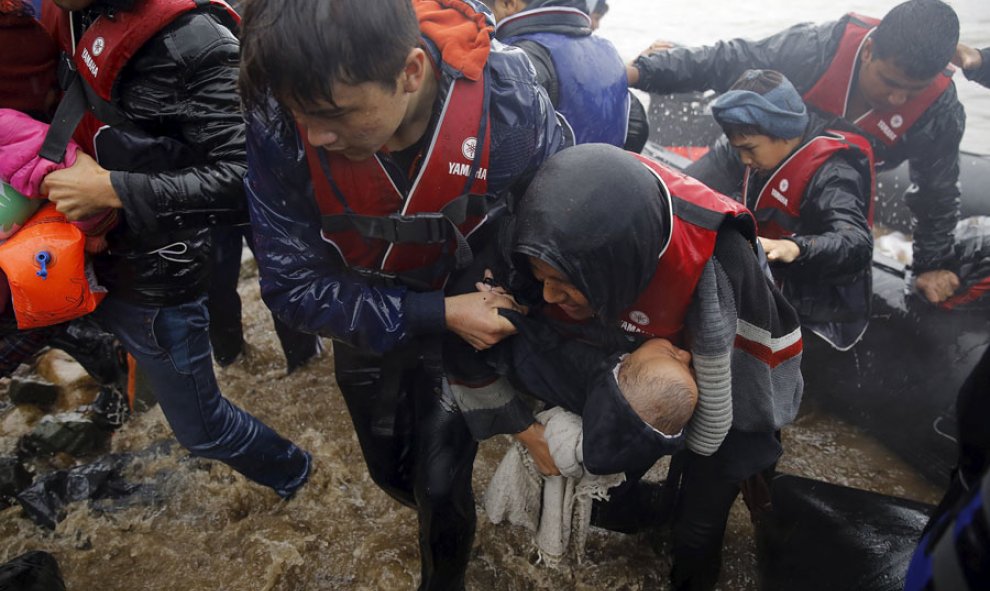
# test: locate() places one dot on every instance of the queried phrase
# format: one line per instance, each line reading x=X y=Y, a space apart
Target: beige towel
x=556 y=508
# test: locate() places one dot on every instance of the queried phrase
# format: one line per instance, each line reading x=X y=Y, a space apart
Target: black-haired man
x=381 y=138
x=887 y=79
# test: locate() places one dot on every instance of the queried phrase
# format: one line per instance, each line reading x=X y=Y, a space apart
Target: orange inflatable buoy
x=45 y=265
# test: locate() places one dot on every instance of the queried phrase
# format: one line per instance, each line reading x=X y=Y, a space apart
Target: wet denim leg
x=172 y=348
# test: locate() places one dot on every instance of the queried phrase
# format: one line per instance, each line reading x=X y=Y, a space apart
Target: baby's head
x=658 y=383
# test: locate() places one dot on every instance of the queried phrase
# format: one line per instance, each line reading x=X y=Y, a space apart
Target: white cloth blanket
x=556 y=508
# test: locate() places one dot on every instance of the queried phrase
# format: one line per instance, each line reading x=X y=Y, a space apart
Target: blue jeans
x=172 y=348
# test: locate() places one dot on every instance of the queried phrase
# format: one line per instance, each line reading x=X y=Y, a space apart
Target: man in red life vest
x=152 y=91
x=890 y=80
x=382 y=137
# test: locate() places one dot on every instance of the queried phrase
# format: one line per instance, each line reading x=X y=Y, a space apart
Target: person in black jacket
x=171 y=161
x=888 y=80
x=975 y=63
x=810 y=188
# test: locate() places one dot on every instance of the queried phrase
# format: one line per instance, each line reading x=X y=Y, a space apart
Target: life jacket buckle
x=423 y=228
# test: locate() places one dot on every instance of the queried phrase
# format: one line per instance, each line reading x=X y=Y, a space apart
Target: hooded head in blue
x=765 y=102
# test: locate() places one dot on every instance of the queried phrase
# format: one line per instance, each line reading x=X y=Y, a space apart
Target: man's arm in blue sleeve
x=303 y=279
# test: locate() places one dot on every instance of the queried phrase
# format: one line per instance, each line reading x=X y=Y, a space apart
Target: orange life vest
x=831 y=93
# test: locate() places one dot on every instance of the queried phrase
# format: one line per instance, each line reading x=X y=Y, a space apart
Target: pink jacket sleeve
x=22 y=168
x=20 y=140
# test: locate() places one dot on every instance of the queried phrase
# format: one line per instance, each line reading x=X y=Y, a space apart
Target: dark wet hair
x=920 y=36
x=297 y=49
x=760 y=82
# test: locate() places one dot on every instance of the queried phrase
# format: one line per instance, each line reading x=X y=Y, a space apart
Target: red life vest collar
x=832 y=91
x=383 y=230
x=696 y=213
x=101 y=54
x=778 y=206
x=103 y=50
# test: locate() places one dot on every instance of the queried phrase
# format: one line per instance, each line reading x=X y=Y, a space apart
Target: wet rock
x=33 y=571
x=59 y=368
x=13 y=478
x=20 y=420
x=73 y=433
x=822 y=536
x=33 y=390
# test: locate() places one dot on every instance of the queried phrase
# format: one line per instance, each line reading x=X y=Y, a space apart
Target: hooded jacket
x=179 y=94
x=803 y=53
x=304 y=281
x=583 y=73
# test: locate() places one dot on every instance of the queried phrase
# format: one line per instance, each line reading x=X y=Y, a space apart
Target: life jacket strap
x=420 y=228
x=76 y=101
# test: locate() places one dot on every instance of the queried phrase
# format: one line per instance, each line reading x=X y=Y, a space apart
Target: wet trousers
x=704 y=500
x=172 y=348
x=226 y=331
x=705 y=489
x=418 y=450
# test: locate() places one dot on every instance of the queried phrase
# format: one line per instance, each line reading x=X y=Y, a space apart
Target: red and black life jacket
x=778 y=206
x=697 y=212
x=831 y=93
x=415 y=235
x=99 y=55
